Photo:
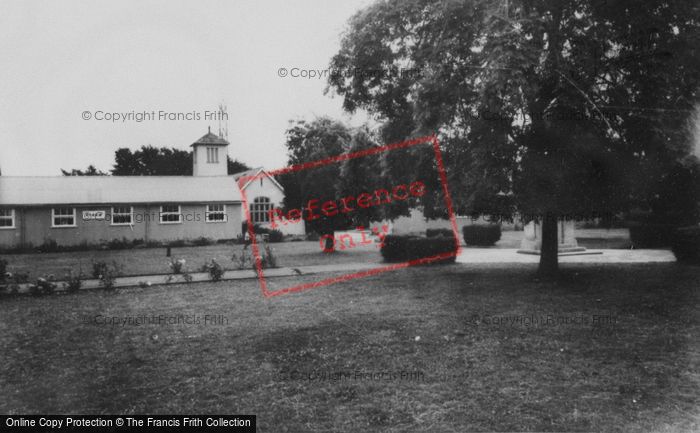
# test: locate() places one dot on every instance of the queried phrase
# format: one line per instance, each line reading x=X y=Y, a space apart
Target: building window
x=260 y=210
x=7 y=218
x=170 y=214
x=63 y=217
x=212 y=155
x=216 y=213
x=122 y=215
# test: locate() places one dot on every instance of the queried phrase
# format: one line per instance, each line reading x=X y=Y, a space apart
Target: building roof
x=254 y=173
x=247 y=173
x=93 y=190
x=211 y=139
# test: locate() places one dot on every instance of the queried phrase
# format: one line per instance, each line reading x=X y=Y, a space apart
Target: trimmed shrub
x=651 y=235
x=241 y=258
x=12 y=281
x=685 y=245
x=18 y=249
x=98 y=269
x=396 y=248
x=268 y=259
x=176 y=265
x=214 y=269
x=240 y=240
x=260 y=230
x=73 y=281
x=275 y=236
x=202 y=241
x=257 y=229
x=244 y=258
x=109 y=275
x=119 y=244
x=481 y=235
x=3 y=270
x=49 y=246
x=18 y=277
x=431 y=233
x=44 y=286
x=106 y=273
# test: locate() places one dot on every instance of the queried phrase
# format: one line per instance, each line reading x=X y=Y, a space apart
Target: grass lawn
x=153 y=260
x=147 y=261
x=347 y=357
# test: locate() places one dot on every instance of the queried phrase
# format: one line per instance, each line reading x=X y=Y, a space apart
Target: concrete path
x=505 y=255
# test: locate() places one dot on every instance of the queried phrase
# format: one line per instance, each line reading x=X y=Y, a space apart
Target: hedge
x=439 y=232
x=51 y=246
x=481 y=235
x=685 y=244
x=651 y=235
x=257 y=229
x=275 y=236
x=402 y=248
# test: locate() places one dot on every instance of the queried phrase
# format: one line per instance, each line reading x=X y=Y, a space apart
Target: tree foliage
x=308 y=142
x=563 y=105
x=91 y=170
x=361 y=175
x=152 y=161
x=374 y=174
x=164 y=161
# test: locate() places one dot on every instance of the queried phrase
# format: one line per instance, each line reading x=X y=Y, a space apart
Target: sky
x=68 y=65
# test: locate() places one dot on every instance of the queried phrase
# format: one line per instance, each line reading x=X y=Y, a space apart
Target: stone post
x=532 y=240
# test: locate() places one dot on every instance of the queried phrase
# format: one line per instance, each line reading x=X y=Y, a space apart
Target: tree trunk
x=549 y=258
x=330 y=243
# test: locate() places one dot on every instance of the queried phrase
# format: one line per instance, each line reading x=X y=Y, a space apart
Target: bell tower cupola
x=210 y=156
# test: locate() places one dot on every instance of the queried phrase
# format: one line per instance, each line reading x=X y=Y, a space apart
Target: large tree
x=558 y=104
x=361 y=175
x=371 y=175
x=309 y=142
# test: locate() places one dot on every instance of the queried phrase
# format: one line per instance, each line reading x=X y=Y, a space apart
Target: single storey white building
x=72 y=210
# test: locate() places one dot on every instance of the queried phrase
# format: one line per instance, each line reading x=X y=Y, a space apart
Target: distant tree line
x=151 y=161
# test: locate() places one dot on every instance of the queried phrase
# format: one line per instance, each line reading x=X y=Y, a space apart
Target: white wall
x=200 y=165
x=263 y=186
x=417 y=224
